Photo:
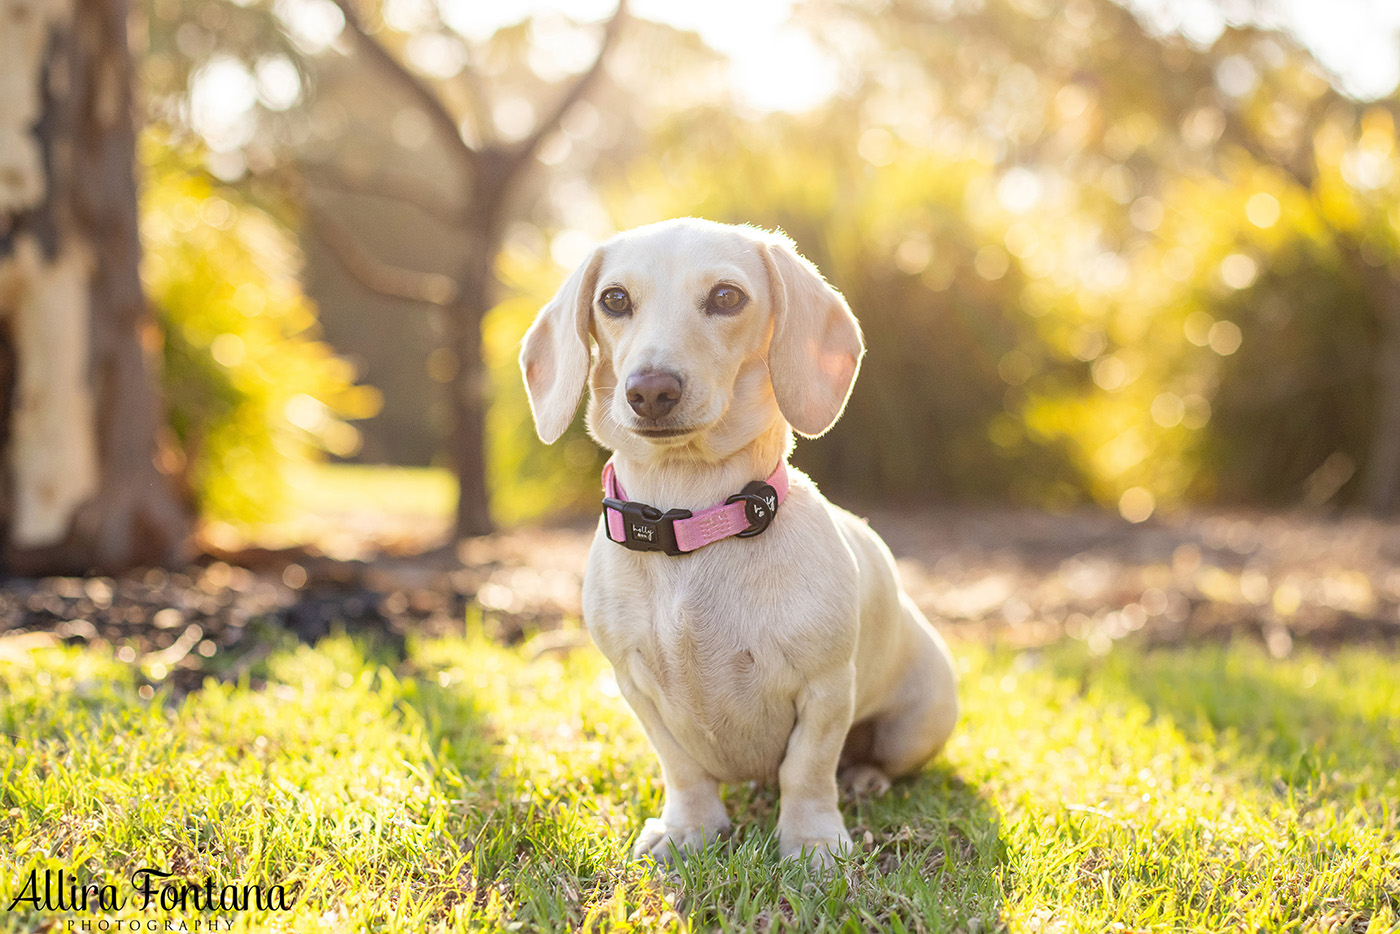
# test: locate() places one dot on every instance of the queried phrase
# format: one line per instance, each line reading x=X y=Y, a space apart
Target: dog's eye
x=616 y=302
x=725 y=300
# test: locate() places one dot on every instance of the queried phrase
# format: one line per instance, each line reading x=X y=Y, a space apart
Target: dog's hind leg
x=856 y=775
x=862 y=780
x=925 y=705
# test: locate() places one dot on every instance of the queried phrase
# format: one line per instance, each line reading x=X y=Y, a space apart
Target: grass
x=466 y=787
x=338 y=488
x=348 y=510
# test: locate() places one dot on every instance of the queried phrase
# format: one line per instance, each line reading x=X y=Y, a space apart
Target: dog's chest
x=720 y=686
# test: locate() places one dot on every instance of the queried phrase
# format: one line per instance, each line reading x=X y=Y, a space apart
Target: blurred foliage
x=1201 y=236
x=250 y=389
x=1296 y=409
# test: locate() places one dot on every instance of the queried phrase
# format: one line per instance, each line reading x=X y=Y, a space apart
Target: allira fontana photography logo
x=148 y=890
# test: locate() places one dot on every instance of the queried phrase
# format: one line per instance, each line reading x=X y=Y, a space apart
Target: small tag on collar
x=760 y=506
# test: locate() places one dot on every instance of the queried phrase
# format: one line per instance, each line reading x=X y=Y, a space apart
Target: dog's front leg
x=693 y=814
x=809 y=822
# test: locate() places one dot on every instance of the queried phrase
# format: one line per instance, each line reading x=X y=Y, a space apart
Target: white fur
x=748 y=658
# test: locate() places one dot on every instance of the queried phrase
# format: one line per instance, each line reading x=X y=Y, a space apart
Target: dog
x=757 y=630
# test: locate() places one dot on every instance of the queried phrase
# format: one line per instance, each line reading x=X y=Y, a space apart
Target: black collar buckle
x=646 y=528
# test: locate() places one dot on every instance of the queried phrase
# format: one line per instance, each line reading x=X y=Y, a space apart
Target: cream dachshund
x=757 y=630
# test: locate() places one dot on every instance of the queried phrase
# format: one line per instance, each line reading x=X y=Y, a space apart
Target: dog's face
x=704 y=334
x=682 y=318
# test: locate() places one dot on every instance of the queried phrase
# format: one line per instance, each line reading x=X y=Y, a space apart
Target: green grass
x=466 y=787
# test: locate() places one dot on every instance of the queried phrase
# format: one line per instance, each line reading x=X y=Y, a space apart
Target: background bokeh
x=1139 y=254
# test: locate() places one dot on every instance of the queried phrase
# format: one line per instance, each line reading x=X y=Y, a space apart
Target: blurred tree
x=79 y=416
x=489 y=169
x=382 y=185
x=472 y=99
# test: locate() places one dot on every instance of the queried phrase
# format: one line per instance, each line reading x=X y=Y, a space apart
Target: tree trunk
x=469 y=386
x=79 y=413
x=469 y=392
x=1382 y=490
x=493 y=172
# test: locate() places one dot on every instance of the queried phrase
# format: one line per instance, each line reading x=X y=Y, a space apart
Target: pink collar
x=679 y=531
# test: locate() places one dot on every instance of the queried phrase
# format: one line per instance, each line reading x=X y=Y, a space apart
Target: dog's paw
x=863 y=781
x=820 y=851
x=665 y=843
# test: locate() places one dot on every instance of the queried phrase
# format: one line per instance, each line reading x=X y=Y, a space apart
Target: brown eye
x=725 y=300
x=616 y=302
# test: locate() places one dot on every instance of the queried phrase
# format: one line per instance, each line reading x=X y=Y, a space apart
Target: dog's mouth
x=662 y=433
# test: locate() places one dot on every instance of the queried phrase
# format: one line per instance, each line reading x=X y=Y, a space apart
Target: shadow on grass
x=1270 y=721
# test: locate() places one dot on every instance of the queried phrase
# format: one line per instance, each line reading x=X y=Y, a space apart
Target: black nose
x=653 y=393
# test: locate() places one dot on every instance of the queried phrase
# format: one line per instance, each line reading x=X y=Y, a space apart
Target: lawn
x=456 y=784
x=352 y=510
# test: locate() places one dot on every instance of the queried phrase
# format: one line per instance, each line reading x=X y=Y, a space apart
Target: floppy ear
x=816 y=347
x=554 y=354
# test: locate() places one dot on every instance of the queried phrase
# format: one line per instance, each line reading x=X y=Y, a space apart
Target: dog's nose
x=653 y=393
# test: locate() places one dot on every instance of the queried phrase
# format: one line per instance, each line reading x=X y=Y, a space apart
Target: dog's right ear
x=554 y=354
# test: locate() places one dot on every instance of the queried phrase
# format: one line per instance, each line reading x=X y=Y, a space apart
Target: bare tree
x=489 y=173
x=79 y=413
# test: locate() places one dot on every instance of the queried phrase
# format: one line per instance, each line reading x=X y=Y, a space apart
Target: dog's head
x=705 y=334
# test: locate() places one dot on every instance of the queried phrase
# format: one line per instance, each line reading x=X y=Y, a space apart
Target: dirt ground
x=1011 y=577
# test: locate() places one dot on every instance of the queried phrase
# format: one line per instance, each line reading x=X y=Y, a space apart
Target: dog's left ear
x=816 y=346
x=554 y=354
